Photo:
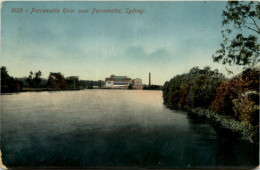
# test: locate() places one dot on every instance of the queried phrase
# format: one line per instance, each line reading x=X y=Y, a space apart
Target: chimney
x=149 y=79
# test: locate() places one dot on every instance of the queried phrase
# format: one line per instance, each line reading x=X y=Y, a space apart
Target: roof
x=121 y=77
x=118 y=77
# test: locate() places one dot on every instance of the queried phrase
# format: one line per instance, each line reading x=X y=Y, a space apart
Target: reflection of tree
x=232 y=151
x=56 y=81
x=221 y=147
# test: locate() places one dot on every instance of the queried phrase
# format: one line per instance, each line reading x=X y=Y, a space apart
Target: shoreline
x=245 y=130
x=38 y=90
x=48 y=89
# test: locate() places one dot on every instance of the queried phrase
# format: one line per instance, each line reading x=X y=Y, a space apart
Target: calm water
x=112 y=128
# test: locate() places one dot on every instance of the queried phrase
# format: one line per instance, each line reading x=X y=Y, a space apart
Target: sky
x=167 y=39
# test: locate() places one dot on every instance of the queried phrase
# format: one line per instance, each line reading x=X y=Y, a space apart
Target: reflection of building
x=118 y=81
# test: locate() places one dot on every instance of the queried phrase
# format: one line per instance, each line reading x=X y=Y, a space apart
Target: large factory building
x=118 y=81
x=123 y=82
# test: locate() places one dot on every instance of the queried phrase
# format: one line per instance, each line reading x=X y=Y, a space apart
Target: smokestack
x=149 y=79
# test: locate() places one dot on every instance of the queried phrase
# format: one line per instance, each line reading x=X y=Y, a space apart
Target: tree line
x=55 y=81
x=237 y=97
x=35 y=82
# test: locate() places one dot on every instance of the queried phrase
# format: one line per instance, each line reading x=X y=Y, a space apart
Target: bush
x=246 y=108
x=239 y=97
x=247 y=131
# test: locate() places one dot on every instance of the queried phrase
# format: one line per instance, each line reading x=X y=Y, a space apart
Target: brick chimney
x=149 y=79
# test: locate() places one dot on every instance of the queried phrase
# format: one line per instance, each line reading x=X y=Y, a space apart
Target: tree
x=29 y=80
x=56 y=81
x=240 y=45
x=37 y=78
x=4 y=73
x=239 y=97
x=91 y=85
x=5 y=79
x=8 y=83
x=130 y=86
x=34 y=80
x=72 y=82
x=194 y=89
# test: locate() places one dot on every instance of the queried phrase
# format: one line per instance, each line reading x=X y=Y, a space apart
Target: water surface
x=112 y=128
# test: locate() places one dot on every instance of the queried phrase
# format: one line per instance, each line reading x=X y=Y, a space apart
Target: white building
x=117 y=81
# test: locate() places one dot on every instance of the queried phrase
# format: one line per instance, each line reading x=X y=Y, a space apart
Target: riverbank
x=50 y=89
x=246 y=130
x=39 y=90
x=44 y=89
x=230 y=103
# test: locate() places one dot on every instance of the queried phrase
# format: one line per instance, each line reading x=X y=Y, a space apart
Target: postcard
x=130 y=84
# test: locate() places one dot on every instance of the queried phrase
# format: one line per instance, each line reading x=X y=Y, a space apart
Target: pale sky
x=169 y=38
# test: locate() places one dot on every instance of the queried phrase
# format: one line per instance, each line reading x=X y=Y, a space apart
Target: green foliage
x=8 y=83
x=34 y=80
x=239 y=97
x=4 y=73
x=130 y=86
x=90 y=85
x=72 y=82
x=194 y=89
x=246 y=108
x=239 y=48
x=37 y=78
x=248 y=131
x=152 y=87
x=56 y=81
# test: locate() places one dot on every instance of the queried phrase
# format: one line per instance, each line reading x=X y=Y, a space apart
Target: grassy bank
x=246 y=130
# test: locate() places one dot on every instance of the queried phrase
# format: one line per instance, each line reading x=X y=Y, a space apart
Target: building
x=117 y=81
x=137 y=83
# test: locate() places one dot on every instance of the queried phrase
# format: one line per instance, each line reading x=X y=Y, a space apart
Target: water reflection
x=111 y=128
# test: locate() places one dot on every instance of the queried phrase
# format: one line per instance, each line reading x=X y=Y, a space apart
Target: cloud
x=156 y=57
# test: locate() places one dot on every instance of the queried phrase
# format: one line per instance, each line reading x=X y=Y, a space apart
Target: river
x=112 y=128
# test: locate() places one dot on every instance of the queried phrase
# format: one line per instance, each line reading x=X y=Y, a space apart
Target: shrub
x=239 y=97
x=246 y=108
